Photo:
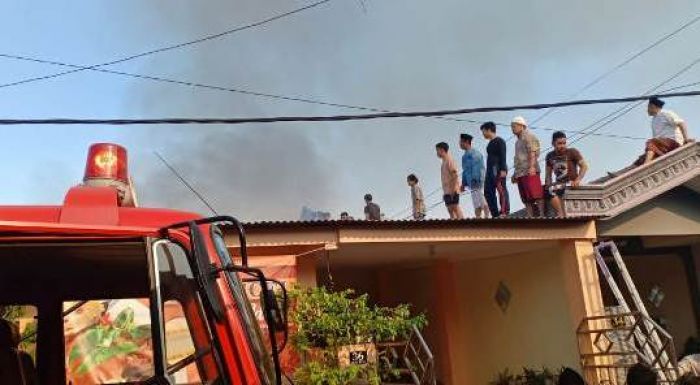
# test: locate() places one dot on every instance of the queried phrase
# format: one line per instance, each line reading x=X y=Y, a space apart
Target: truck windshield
x=83 y=312
x=252 y=322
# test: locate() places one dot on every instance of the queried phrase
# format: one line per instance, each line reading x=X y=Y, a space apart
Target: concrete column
x=446 y=319
x=582 y=288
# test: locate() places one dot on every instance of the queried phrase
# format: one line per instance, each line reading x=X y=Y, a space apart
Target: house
x=508 y=293
x=653 y=214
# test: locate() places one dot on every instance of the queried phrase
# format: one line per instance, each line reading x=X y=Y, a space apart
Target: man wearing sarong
x=668 y=130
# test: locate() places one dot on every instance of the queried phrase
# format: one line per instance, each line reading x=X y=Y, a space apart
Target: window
x=179 y=345
x=108 y=341
x=260 y=348
x=22 y=321
x=188 y=345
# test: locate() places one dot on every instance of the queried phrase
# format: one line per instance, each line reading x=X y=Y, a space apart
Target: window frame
x=206 y=317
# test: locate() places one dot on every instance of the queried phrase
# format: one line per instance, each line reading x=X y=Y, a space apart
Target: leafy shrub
x=325 y=321
x=528 y=376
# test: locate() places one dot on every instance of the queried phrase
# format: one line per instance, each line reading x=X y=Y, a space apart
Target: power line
x=171 y=47
x=630 y=59
x=266 y=95
x=339 y=118
x=630 y=106
x=624 y=110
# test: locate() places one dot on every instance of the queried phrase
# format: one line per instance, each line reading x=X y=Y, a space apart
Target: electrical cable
x=630 y=59
x=340 y=118
x=171 y=47
x=266 y=95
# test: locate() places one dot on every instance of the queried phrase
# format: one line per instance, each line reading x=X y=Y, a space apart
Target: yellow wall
x=535 y=331
x=472 y=338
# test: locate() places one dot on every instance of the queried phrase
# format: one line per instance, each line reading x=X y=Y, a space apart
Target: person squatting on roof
x=417 y=199
x=473 y=175
x=668 y=131
x=450 y=181
x=372 y=210
x=496 y=172
x=527 y=167
x=568 y=167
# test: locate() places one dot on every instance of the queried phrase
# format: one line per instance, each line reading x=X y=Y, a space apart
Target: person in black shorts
x=451 y=186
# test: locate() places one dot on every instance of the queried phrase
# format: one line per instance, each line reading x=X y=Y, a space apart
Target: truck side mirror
x=277 y=302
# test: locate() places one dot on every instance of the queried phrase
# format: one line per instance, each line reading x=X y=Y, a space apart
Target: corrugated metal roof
x=411 y=223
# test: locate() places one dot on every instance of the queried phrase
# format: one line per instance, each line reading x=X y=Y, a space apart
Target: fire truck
x=106 y=292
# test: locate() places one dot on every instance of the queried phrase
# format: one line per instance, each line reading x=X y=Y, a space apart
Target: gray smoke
x=398 y=55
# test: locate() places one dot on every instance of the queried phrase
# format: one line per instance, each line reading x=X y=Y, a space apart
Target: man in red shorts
x=527 y=168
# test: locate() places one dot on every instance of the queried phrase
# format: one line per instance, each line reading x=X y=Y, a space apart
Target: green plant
x=11 y=313
x=504 y=378
x=107 y=340
x=528 y=376
x=538 y=377
x=28 y=337
x=325 y=321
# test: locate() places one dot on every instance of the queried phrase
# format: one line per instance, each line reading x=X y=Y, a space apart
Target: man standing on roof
x=372 y=210
x=495 y=189
x=568 y=167
x=668 y=131
x=450 y=181
x=473 y=175
x=527 y=167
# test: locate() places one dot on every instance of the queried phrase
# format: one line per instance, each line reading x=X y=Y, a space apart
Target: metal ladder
x=653 y=351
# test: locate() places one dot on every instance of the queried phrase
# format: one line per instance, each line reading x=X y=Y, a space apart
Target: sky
x=390 y=54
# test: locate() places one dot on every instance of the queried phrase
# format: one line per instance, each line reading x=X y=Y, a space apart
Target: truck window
x=179 y=344
x=188 y=344
x=18 y=333
x=22 y=319
x=252 y=323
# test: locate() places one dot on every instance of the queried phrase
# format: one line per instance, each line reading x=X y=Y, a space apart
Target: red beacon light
x=107 y=166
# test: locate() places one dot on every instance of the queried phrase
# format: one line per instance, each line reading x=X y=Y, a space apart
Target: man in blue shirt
x=473 y=175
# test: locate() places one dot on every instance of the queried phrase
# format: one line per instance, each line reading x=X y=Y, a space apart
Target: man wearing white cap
x=527 y=168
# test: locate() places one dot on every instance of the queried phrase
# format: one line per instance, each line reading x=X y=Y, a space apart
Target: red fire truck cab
x=99 y=291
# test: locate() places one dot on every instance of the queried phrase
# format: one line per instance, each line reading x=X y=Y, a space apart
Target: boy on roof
x=372 y=210
x=417 y=199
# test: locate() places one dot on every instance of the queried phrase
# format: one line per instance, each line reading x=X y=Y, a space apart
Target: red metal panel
x=91 y=205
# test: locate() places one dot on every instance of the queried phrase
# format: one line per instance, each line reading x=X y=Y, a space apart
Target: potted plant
x=337 y=332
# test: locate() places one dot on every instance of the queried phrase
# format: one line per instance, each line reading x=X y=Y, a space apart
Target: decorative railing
x=610 y=344
x=635 y=185
x=411 y=360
